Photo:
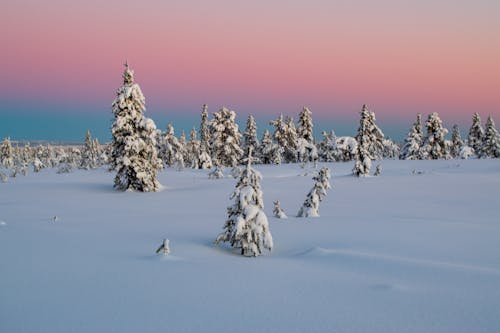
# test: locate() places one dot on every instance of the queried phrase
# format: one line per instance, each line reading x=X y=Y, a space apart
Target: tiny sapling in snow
x=278 y=211
x=164 y=247
x=378 y=170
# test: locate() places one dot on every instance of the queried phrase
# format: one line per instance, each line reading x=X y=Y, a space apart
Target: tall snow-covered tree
x=247 y=227
x=434 y=146
x=310 y=208
x=250 y=136
x=413 y=141
x=225 y=138
x=193 y=150
x=370 y=142
x=205 y=130
x=305 y=125
x=134 y=155
x=456 y=142
x=285 y=136
x=476 y=133
x=491 y=140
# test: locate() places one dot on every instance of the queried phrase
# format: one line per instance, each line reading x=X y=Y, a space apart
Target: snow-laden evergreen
x=310 y=207
x=216 y=173
x=327 y=148
x=192 y=150
x=491 y=140
x=6 y=154
x=250 y=140
x=247 y=227
x=306 y=151
x=134 y=155
x=390 y=150
x=90 y=153
x=370 y=142
x=278 y=212
x=413 y=141
x=456 y=142
x=225 y=138
x=172 y=151
x=205 y=131
x=269 y=151
x=285 y=136
x=378 y=170
x=476 y=133
x=305 y=125
x=434 y=146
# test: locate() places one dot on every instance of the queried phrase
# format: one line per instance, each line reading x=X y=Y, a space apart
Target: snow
x=414 y=250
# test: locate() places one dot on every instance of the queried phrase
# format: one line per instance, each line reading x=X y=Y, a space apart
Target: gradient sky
x=62 y=61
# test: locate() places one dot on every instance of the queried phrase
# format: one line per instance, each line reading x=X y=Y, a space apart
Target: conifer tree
x=6 y=154
x=456 y=142
x=225 y=138
x=491 y=140
x=134 y=155
x=247 y=227
x=310 y=208
x=328 y=147
x=476 y=133
x=370 y=145
x=90 y=153
x=270 y=152
x=250 y=136
x=193 y=150
x=278 y=211
x=413 y=142
x=305 y=125
x=434 y=146
x=205 y=130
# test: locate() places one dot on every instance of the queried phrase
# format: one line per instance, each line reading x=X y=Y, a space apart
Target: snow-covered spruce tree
x=413 y=141
x=205 y=131
x=90 y=153
x=278 y=211
x=250 y=136
x=134 y=155
x=327 y=148
x=285 y=136
x=491 y=140
x=476 y=133
x=247 y=227
x=193 y=150
x=269 y=152
x=370 y=143
x=216 y=173
x=456 y=142
x=390 y=149
x=172 y=151
x=305 y=125
x=310 y=208
x=434 y=146
x=225 y=138
x=378 y=170
x=6 y=154
x=306 y=151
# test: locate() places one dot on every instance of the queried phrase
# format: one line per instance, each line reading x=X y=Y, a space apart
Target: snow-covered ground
x=414 y=250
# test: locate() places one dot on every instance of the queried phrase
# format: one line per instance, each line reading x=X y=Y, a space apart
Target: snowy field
x=404 y=252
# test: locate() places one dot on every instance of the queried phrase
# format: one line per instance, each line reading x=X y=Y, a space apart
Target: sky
x=62 y=62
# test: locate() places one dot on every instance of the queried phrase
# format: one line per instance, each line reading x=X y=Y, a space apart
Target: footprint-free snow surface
x=416 y=249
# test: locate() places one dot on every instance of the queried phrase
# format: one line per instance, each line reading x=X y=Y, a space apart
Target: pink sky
x=399 y=57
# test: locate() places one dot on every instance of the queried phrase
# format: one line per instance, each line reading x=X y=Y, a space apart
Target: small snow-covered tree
x=205 y=130
x=327 y=148
x=390 y=149
x=305 y=125
x=216 y=173
x=370 y=142
x=413 y=141
x=6 y=154
x=476 y=133
x=278 y=211
x=285 y=136
x=172 y=149
x=90 y=153
x=491 y=140
x=378 y=170
x=250 y=136
x=456 y=142
x=306 y=151
x=310 y=208
x=434 y=146
x=225 y=138
x=247 y=227
x=134 y=156
x=270 y=152
x=193 y=150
